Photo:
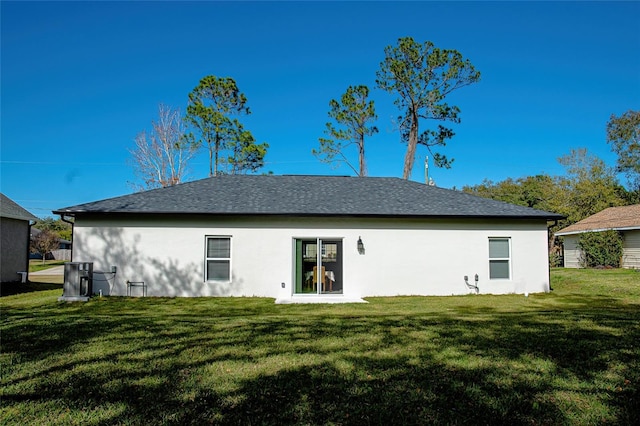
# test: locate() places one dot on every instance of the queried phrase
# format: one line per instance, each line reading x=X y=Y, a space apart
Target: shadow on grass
x=573 y=360
x=13 y=288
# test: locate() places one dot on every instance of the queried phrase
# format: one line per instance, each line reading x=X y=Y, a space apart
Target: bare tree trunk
x=212 y=171
x=215 y=163
x=412 y=143
x=363 y=165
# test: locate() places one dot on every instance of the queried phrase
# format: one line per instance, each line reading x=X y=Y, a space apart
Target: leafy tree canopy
x=422 y=76
x=531 y=191
x=623 y=134
x=57 y=226
x=587 y=187
x=353 y=113
x=213 y=106
x=44 y=242
x=245 y=154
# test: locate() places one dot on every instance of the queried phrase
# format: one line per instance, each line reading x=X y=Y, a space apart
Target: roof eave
x=18 y=217
x=584 y=231
x=315 y=214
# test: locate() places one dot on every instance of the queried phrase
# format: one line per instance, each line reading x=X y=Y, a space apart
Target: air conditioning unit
x=78 y=282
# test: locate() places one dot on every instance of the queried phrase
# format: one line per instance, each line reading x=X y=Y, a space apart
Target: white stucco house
x=311 y=238
x=625 y=219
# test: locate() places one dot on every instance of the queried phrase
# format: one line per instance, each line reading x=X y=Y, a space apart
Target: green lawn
x=569 y=357
x=37 y=265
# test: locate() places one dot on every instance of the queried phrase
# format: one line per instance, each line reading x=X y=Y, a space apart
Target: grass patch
x=36 y=265
x=568 y=357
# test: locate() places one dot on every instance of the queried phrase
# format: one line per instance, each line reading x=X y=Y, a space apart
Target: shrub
x=555 y=256
x=600 y=249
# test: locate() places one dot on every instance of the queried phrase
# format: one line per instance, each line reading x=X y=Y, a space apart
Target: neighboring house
x=624 y=219
x=311 y=238
x=63 y=252
x=14 y=243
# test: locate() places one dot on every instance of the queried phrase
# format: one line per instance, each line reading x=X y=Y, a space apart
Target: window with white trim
x=218 y=259
x=499 y=258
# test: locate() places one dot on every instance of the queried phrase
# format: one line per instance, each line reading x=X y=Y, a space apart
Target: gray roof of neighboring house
x=10 y=209
x=308 y=196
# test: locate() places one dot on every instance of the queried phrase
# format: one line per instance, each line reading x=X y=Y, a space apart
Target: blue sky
x=81 y=79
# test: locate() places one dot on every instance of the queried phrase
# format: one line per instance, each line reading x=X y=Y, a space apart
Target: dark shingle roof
x=10 y=209
x=308 y=196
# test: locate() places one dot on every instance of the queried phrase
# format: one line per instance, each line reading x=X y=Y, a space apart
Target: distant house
x=15 y=222
x=311 y=238
x=624 y=219
x=63 y=252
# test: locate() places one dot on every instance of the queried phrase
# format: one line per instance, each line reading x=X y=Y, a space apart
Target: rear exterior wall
x=401 y=257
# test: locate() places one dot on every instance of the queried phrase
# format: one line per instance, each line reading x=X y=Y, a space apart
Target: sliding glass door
x=318 y=271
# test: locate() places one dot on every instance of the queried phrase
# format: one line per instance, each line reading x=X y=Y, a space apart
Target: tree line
x=160 y=157
x=51 y=231
x=420 y=75
x=588 y=186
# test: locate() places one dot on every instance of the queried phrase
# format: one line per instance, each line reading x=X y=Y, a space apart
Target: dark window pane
x=498 y=269
x=218 y=270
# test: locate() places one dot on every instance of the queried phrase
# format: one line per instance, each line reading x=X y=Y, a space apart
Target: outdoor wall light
x=360 y=246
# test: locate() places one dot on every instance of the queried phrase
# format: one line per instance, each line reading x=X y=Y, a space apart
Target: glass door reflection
x=318 y=272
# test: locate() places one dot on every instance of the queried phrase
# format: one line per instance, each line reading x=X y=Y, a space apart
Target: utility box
x=78 y=282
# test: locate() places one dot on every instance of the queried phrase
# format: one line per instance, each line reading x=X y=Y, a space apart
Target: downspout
x=62 y=217
x=549 y=226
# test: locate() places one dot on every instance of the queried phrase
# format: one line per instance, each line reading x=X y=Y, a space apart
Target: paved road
x=56 y=270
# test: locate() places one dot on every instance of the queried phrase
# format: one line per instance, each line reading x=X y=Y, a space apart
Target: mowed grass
x=569 y=357
x=36 y=265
